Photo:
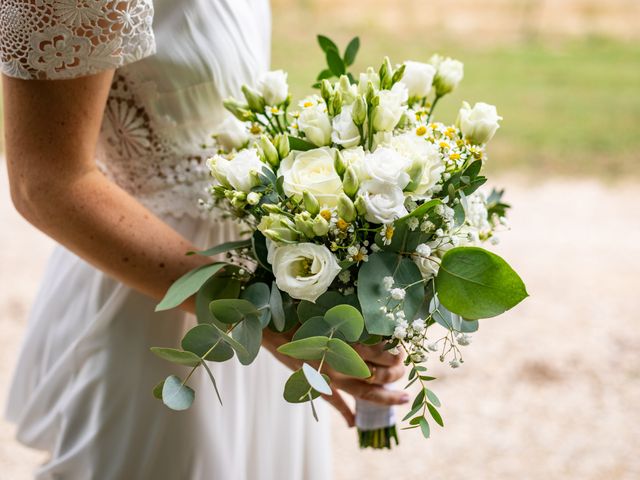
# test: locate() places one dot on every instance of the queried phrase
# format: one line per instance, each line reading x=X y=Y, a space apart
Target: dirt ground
x=549 y=390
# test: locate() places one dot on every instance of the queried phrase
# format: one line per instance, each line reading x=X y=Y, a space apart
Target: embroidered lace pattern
x=55 y=39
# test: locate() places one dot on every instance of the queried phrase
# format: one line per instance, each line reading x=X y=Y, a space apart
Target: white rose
x=386 y=165
x=478 y=124
x=424 y=158
x=391 y=107
x=449 y=74
x=418 y=78
x=304 y=270
x=355 y=157
x=241 y=172
x=232 y=134
x=383 y=201
x=345 y=132
x=314 y=121
x=273 y=87
x=314 y=172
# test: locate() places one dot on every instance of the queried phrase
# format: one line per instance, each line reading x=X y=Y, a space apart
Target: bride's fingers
x=338 y=402
x=377 y=355
x=373 y=393
x=381 y=375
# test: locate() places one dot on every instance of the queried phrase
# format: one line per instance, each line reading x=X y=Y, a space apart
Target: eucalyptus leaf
x=232 y=342
x=314 y=327
x=222 y=248
x=187 y=285
x=347 y=320
x=297 y=387
x=433 y=398
x=476 y=283
x=232 y=310
x=248 y=333
x=213 y=381
x=435 y=414
x=260 y=251
x=424 y=427
x=277 y=309
x=327 y=300
x=317 y=381
x=157 y=390
x=188 y=359
x=311 y=348
x=372 y=295
x=175 y=395
x=259 y=295
x=201 y=338
x=344 y=359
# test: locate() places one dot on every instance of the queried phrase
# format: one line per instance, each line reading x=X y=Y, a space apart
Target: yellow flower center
x=307 y=104
x=454 y=156
x=255 y=129
x=275 y=110
x=326 y=214
x=421 y=130
x=388 y=233
x=444 y=145
x=342 y=225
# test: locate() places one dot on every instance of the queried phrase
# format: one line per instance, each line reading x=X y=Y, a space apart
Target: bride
x=105 y=104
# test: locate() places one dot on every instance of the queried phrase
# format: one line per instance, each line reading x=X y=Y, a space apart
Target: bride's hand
x=385 y=368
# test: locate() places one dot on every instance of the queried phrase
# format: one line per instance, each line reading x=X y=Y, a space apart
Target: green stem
x=433 y=106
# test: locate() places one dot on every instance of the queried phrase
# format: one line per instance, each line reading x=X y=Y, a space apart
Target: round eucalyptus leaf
x=317 y=381
x=201 y=338
x=222 y=285
x=157 y=390
x=259 y=295
x=297 y=387
x=347 y=320
x=311 y=348
x=476 y=283
x=327 y=300
x=175 y=395
x=179 y=357
x=372 y=294
x=314 y=327
x=232 y=310
x=344 y=359
x=248 y=333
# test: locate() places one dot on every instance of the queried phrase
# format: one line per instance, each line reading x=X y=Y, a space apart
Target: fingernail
x=404 y=398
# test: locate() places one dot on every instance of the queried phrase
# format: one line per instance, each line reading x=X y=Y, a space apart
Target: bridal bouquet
x=363 y=222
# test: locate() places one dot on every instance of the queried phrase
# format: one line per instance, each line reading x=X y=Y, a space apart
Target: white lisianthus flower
x=345 y=132
x=478 y=124
x=241 y=172
x=314 y=121
x=386 y=165
x=425 y=161
x=418 y=78
x=273 y=87
x=232 y=134
x=314 y=172
x=384 y=201
x=304 y=270
x=393 y=103
x=449 y=74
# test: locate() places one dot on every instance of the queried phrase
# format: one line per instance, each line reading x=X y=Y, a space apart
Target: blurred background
x=551 y=389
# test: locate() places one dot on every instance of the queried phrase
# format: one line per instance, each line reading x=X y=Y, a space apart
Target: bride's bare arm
x=51 y=129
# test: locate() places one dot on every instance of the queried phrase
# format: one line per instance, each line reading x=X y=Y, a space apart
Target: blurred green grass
x=570 y=108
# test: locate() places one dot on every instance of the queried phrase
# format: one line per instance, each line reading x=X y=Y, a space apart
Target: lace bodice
x=174 y=61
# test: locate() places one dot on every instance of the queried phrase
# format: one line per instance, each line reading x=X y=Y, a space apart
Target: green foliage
x=178 y=357
x=313 y=327
x=347 y=320
x=260 y=297
x=351 y=51
x=278 y=316
x=371 y=292
x=300 y=145
x=176 y=395
x=316 y=380
x=204 y=340
x=344 y=359
x=312 y=348
x=476 y=283
x=327 y=300
x=187 y=285
x=222 y=248
x=248 y=333
x=297 y=388
x=233 y=310
x=222 y=285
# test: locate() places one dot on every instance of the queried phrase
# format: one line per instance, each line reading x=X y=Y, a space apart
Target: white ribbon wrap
x=372 y=416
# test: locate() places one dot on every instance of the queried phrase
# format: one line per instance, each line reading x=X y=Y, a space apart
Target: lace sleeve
x=55 y=39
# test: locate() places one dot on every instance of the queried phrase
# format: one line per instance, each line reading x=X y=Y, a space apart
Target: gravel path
x=550 y=390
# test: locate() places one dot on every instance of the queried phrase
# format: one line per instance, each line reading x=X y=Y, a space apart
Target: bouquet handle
x=376 y=425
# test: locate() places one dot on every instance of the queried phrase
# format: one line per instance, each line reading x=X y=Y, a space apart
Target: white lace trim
x=139 y=153
x=55 y=39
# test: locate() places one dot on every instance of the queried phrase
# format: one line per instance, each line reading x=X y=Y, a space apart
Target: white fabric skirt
x=83 y=382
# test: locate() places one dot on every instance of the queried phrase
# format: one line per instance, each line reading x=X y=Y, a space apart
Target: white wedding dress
x=82 y=387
